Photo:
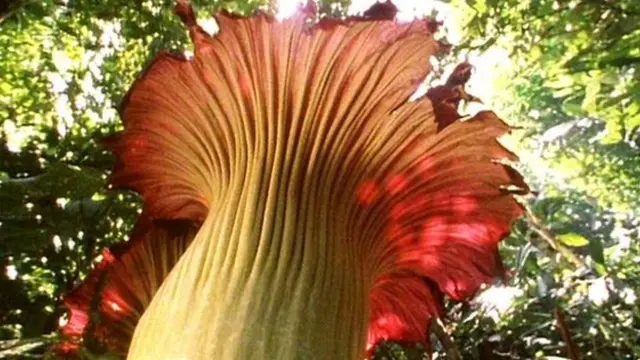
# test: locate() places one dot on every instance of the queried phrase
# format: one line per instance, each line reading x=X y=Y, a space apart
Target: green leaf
x=572 y=108
x=589 y=104
x=596 y=251
x=573 y=240
x=614 y=130
x=562 y=81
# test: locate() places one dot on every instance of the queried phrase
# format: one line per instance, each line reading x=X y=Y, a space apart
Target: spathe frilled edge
x=379 y=11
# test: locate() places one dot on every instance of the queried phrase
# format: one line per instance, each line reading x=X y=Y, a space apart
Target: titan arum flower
x=297 y=203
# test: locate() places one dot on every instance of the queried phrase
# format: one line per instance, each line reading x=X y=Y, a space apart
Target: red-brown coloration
x=367 y=192
x=79 y=303
x=446 y=98
x=427 y=190
x=402 y=305
x=396 y=184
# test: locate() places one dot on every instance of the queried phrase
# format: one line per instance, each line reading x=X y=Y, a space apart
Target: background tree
x=572 y=85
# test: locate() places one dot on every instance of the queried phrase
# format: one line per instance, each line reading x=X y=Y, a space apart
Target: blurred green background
x=566 y=73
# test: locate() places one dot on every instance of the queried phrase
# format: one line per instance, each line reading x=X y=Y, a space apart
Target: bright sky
x=408 y=9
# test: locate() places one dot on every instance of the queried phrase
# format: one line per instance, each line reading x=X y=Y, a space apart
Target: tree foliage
x=573 y=89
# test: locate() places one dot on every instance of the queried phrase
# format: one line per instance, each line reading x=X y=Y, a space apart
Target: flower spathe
x=332 y=211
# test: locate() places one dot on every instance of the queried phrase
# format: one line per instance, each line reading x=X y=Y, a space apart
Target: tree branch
x=450 y=348
x=9 y=8
x=535 y=224
x=565 y=333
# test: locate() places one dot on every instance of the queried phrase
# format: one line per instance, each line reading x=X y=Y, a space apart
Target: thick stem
x=272 y=274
